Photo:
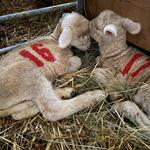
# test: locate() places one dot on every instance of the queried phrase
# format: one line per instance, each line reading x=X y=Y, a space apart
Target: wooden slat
x=138 y=10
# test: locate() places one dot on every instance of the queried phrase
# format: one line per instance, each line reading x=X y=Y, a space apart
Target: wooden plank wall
x=138 y=10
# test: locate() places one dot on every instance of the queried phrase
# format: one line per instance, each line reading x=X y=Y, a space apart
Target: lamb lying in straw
x=27 y=73
x=124 y=71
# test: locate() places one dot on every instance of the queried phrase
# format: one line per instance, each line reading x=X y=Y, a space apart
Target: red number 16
x=42 y=51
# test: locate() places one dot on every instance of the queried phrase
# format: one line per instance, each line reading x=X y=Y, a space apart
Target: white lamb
x=27 y=72
x=124 y=70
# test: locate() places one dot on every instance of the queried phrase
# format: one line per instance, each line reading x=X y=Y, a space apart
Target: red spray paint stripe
x=31 y=57
x=135 y=73
x=43 y=52
x=131 y=62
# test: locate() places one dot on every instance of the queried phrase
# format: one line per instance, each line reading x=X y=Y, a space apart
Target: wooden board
x=138 y=10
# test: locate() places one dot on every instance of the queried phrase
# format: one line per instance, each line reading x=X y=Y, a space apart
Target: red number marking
x=146 y=65
x=131 y=62
x=44 y=52
x=31 y=57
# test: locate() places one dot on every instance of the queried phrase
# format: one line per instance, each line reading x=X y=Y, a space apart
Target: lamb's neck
x=112 y=50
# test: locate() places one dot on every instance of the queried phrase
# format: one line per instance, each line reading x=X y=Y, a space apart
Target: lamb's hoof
x=67 y=92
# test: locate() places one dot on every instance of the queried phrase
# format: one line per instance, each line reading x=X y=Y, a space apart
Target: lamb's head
x=74 y=31
x=110 y=27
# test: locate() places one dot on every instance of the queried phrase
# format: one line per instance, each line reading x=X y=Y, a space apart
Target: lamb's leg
x=100 y=76
x=106 y=79
x=53 y=108
x=9 y=102
x=59 y=109
x=66 y=92
x=142 y=98
x=27 y=112
x=28 y=108
x=131 y=111
x=75 y=62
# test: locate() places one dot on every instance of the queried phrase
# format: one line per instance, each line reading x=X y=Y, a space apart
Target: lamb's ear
x=131 y=26
x=65 y=38
x=110 y=30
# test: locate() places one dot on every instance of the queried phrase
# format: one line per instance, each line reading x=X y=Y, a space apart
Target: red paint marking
x=146 y=65
x=31 y=57
x=131 y=62
x=44 y=52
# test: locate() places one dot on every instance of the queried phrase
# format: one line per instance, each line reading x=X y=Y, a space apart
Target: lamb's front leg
x=53 y=108
x=66 y=92
x=131 y=111
x=59 y=109
x=106 y=79
x=142 y=98
x=101 y=76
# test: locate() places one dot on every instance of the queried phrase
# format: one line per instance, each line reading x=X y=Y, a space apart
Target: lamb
x=123 y=71
x=27 y=73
